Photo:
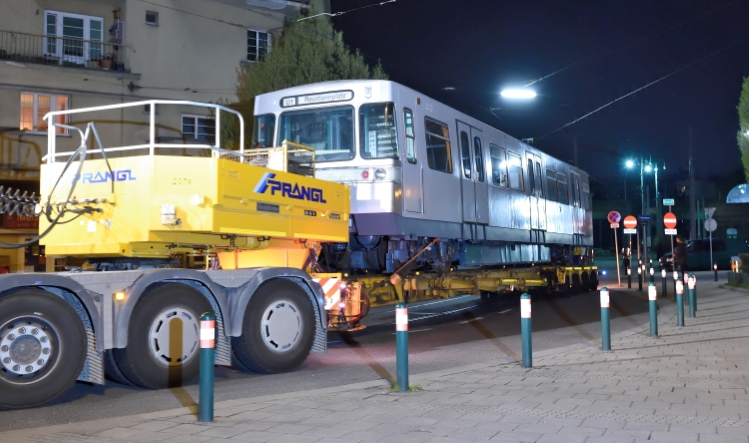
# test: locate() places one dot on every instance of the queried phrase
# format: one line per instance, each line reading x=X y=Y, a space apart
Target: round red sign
x=669 y=220
x=630 y=222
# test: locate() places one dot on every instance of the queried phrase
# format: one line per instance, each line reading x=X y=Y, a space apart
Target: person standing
x=680 y=255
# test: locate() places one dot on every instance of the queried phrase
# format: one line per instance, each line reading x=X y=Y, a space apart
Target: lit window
x=258 y=44
x=198 y=127
x=35 y=106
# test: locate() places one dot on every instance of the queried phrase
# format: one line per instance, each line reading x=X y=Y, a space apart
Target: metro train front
x=420 y=170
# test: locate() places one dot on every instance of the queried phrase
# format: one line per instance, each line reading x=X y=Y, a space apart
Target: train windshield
x=329 y=130
x=377 y=136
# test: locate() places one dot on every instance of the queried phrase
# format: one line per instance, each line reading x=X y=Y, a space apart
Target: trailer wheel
x=277 y=330
x=163 y=340
x=42 y=348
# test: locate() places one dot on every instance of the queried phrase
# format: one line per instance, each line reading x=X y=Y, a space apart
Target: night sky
x=602 y=50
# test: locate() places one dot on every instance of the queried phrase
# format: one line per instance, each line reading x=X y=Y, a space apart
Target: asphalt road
x=443 y=334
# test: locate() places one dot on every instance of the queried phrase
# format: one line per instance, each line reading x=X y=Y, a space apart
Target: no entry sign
x=630 y=222
x=669 y=220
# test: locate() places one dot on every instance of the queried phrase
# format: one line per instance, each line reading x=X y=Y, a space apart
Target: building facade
x=63 y=54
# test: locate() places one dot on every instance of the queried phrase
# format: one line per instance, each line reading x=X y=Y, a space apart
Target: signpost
x=669 y=219
x=710 y=226
x=614 y=218
x=630 y=227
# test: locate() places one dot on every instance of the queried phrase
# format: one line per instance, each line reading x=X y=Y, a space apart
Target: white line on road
x=468 y=321
x=460 y=297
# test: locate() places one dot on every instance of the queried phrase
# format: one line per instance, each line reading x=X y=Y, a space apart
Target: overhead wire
x=339 y=13
x=599 y=56
x=642 y=87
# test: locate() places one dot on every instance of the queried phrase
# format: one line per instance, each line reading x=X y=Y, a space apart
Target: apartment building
x=62 y=54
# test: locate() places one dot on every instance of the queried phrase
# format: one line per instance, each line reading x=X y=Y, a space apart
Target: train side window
x=576 y=190
x=531 y=177
x=408 y=123
x=377 y=135
x=515 y=171
x=586 y=196
x=551 y=184
x=465 y=154
x=539 y=180
x=562 y=189
x=438 y=145
x=499 y=165
x=478 y=154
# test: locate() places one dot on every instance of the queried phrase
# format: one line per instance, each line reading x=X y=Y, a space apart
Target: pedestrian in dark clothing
x=680 y=256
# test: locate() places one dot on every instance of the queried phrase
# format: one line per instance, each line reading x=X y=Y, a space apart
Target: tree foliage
x=743 y=136
x=309 y=51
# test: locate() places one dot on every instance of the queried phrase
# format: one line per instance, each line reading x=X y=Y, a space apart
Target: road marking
x=416 y=330
x=502 y=312
x=468 y=321
x=438 y=314
x=438 y=301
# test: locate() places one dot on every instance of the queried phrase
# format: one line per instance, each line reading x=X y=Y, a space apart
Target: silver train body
x=420 y=170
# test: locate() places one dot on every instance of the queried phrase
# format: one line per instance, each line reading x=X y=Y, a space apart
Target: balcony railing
x=62 y=51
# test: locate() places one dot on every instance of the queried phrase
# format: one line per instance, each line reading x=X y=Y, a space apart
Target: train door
x=532 y=187
x=412 y=175
x=475 y=192
x=540 y=197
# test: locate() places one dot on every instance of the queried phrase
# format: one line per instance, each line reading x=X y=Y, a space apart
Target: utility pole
x=692 y=193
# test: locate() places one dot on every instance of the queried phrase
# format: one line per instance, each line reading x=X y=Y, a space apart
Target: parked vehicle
x=698 y=253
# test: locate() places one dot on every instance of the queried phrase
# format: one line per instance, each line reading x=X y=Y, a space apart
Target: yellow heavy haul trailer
x=129 y=210
x=134 y=208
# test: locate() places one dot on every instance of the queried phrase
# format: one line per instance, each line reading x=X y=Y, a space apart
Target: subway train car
x=420 y=170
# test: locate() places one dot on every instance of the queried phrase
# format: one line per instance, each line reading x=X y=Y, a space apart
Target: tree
x=309 y=51
x=743 y=136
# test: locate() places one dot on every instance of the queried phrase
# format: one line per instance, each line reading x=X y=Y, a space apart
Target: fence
x=738 y=277
x=61 y=51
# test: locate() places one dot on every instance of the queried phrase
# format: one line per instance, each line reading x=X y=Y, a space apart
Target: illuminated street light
x=522 y=94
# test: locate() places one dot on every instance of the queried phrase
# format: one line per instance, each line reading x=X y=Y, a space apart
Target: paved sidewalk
x=688 y=385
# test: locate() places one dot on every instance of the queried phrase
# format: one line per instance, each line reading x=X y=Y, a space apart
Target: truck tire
x=277 y=330
x=42 y=348
x=163 y=339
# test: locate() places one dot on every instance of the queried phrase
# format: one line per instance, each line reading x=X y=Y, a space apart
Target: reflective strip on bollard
x=690 y=284
x=207 y=334
x=401 y=319
x=679 y=287
x=525 y=308
x=652 y=295
x=604 y=298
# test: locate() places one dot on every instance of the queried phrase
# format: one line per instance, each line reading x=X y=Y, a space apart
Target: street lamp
x=522 y=94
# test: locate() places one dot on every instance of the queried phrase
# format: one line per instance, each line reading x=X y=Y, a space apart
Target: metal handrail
x=60 y=50
x=52 y=153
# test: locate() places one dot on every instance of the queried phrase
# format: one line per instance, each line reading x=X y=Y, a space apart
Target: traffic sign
x=709 y=212
x=630 y=231
x=614 y=217
x=669 y=220
x=614 y=225
x=644 y=218
x=630 y=222
x=670 y=231
x=711 y=224
x=668 y=202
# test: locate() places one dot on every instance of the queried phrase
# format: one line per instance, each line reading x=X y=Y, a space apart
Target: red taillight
x=365 y=174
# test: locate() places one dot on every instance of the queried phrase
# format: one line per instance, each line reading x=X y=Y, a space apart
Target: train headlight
x=380 y=174
x=365 y=175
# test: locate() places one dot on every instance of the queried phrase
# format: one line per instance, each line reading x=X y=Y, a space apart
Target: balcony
x=61 y=51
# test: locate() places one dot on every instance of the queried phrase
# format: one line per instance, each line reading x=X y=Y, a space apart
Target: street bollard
x=676 y=277
x=652 y=302
x=652 y=275
x=686 y=278
x=679 y=303
x=605 y=320
x=525 y=329
x=715 y=271
x=665 y=286
x=629 y=278
x=692 y=296
x=639 y=278
x=207 y=364
x=401 y=345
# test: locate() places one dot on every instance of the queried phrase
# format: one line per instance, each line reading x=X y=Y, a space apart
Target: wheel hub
x=24 y=349
x=174 y=336
x=281 y=326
